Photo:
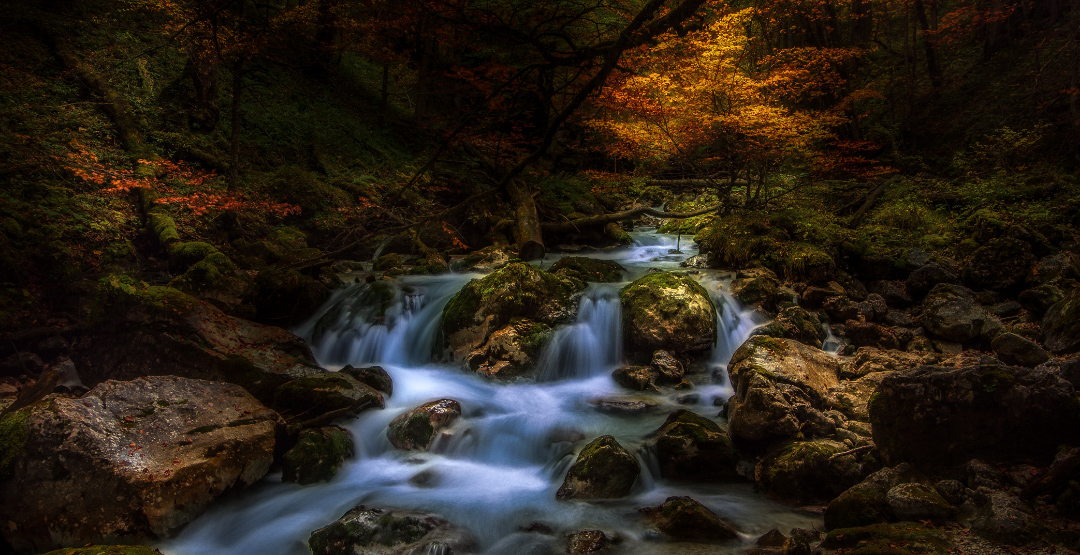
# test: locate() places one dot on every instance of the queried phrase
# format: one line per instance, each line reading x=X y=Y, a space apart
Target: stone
x=950 y=312
x=285 y=297
x=900 y=538
x=637 y=378
x=1018 y=350
x=669 y=370
x=129 y=461
x=1056 y=268
x=603 y=470
x=106 y=550
x=918 y=502
x=806 y=471
x=367 y=530
x=1061 y=325
x=938 y=416
x=587 y=541
x=325 y=392
x=589 y=269
x=879 y=305
x=853 y=396
x=841 y=308
x=923 y=279
x=691 y=447
x=814 y=297
x=1006 y=309
x=417 y=429
x=1000 y=264
x=868 y=360
x=317 y=455
x=1039 y=299
x=795 y=322
x=1003 y=517
x=892 y=292
x=772 y=538
x=867 y=502
x=869 y=334
x=668 y=311
x=758 y=287
x=508 y=353
x=683 y=518
x=372 y=376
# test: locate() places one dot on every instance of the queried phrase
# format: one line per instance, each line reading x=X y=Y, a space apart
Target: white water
x=498 y=468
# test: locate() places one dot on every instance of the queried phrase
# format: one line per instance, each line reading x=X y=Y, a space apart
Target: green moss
x=183 y=255
x=121 y=292
x=163 y=228
x=589 y=269
x=515 y=290
x=14 y=434
x=317 y=455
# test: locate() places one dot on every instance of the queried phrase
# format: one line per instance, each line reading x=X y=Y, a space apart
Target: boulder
x=589 y=269
x=950 y=312
x=668 y=311
x=368 y=531
x=867 y=502
x=138 y=330
x=285 y=297
x=1056 y=268
x=372 y=376
x=323 y=393
x=1039 y=299
x=603 y=470
x=807 y=471
x=923 y=279
x=840 y=309
x=863 y=333
x=691 y=447
x=317 y=455
x=938 y=416
x=587 y=541
x=758 y=287
x=1018 y=350
x=795 y=322
x=853 y=396
x=683 y=518
x=772 y=378
x=1003 y=517
x=496 y=324
x=894 y=293
x=918 y=503
x=637 y=378
x=868 y=360
x=418 y=428
x=901 y=538
x=669 y=371
x=1061 y=325
x=127 y=461
x=1000 y=264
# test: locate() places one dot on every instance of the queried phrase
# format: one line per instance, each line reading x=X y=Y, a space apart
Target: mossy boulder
x=668 y=311
x=217 y=279
x=795 y=322
x=938 y=415
x=691 y=447
x=589 y=269
x=317 y=455
x=367 y=530
x=1061 y=325
x=129 y=460
x=952 y=313
x=637 y=378
x=389 y=261
x=758 y=287
x=1002 y=263
x=918 y=502
x=372 y=376
x=684 y=519
x=807 y=471
x=587 y=541
x=1015 y=349
x=519 y=296
x=867 y=502
x=1039 y=299
x=603 y=470
x=902 y=538
x=325 y=392
x=486 y=259
x=417 y=429
x=285 y=297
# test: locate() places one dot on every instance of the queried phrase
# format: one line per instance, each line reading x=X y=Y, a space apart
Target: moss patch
x=14 y=434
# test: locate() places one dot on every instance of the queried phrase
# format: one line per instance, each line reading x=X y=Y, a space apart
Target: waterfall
x=590 y=346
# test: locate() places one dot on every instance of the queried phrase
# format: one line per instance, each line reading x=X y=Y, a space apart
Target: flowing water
x=497 y=470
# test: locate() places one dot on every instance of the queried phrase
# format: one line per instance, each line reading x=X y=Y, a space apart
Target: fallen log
x=602 y=220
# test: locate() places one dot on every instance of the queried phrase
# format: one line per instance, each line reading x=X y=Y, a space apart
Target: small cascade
x=832 y=344
x=590 y=346
x=733 y=325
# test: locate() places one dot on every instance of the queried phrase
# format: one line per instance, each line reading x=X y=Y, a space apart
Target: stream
x=498 y=469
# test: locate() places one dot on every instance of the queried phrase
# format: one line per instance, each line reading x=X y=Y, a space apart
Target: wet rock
x=587 y=541
x=772 y=377
x=668 y=311
x=603 y=470
x=366 y=530
x=867 y=502
x=950 y=312
x=691 y=447
x=918 y=502
x=683 y=518
x=807 y=472
x=417 y=429
x=1018 y=350
x=841 y=308
x=1000 y=264
x=1003 y=517
x=637 y=378
x=138 y=330
x=372 y=376
x=519 y=303
x=629 y=407
x=869 y=334
x=868 y=360
x=323 y=393
x=589 y=269
x=815 y=297
x=901 y=538
x=940 y=415
x=486 y=259
x=772 y=538
x=317 y=455
x=1056 y=268
x=1039 y=299
x=128 y=461
x=758 y=287
x=894 y=293
x=669 y=370
x=1061 y=325
x=923 y=279
x=795 y=322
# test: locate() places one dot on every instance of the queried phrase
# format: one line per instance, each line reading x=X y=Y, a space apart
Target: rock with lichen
x=668 y=311
x=603 y=470
x=417 y=429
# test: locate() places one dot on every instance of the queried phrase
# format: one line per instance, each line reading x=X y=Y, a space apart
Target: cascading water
x=497 y=468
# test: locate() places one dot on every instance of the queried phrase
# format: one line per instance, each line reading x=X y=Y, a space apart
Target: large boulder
x=951 y=312
x=775 y=381
x=128 y=461
x=807 y=471
x=938 y=416
x=668 y=311
x=1061 y=325
x=138 y=330
x=589 y=269
x=867 y=502
x=418 y=428
x=1019 y=350
x=683 y=518
x=317 y=455
x=1002 y=263
x=795 y=322
x=284 y=296
x=325 y=392
x=691 y=447
x=603 y=470
x=373 y=531
x=496 y=324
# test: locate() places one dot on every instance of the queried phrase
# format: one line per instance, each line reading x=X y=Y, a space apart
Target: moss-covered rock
x=1061 y=325
x=603 y=470
x=867 y=503
x=587 y=541
x=372 y=376
x=683 y=518
x=637 y=378
x=903 y=538
x=668 y=311
x=417 y=429
x=317 y=455
x=795 y=322
x=285 y=297
x=1011 y=348
x=324 y=392
x=367 y=530
x=389 y=261
x=692 y=447
x=806 y=471
x=917 y=502
x=589 y=269
x=1002 y=263
x=758 y=287
x=952 y=313
x=217 y=279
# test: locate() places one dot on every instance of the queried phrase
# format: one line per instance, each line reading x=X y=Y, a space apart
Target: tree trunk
x=527 y=231
x=234 y=139
x=932 y=66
